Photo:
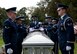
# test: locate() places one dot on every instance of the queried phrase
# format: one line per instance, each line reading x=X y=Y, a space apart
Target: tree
x=39 y=12
x=50 y=8
x=22 y=12
x=3 y=16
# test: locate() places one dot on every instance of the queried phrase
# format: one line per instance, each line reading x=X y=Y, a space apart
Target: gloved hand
x=31 y=29
x=68 y=48
x=41 y=29
x=9 y=51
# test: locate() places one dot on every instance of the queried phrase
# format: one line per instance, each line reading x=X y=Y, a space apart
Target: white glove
x=40 y=23
x=41 y=29
x=31 y=29
x=68 y=48
x=9 y=51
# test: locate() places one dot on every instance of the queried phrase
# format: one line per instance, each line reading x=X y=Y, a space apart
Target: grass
x=1 y=41
x=75 y=51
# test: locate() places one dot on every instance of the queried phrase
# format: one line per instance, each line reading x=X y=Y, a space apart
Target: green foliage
x=1 y=41
x=22 y=12
x=40 y=13
x=51 y=8
x=3 y=16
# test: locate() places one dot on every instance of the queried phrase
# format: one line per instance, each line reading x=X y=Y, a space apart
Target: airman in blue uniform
x=65 y=30
x=34 y=23
x=21 y=33
x=10 y=31
x=51 y=30
x=48 y=26
x=55 y=36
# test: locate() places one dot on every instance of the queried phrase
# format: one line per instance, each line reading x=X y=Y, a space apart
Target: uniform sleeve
x=6 y=33
x=22 y=29
x=69 y=31
x=49 y=28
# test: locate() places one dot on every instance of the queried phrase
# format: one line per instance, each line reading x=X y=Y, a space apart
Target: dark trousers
x=63 y=50
x=13 y=47
x=55 y=49
x=19 y=48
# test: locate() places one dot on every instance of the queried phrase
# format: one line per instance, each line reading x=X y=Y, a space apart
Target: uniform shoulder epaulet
x=6 y=21
x=6 y=24
x=67 y=19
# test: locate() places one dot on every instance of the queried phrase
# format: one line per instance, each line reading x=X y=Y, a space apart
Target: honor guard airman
x=51 y=30
x=10 y=31
x=21 y=32
x=34 y=24
x=48 y=26
x=55 y=36
x=65 y=30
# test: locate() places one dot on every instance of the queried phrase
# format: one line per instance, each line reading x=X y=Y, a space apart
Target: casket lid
x=37 y=39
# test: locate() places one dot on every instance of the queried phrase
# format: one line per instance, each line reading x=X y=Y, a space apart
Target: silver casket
x=37 y=43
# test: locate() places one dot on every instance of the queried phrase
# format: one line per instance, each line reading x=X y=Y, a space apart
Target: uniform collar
x=11 y=20
x=49 y=22
x=62 y=16
x=18 y=24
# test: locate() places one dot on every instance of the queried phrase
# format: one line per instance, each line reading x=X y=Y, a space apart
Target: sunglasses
x=59 y=10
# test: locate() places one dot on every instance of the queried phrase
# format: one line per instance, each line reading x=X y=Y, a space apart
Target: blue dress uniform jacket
x=10 y=34
x=54 y=31
x=66 y=34
x=51 y=32
x=55 y=38
x=21 y=35
x=35 y=24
